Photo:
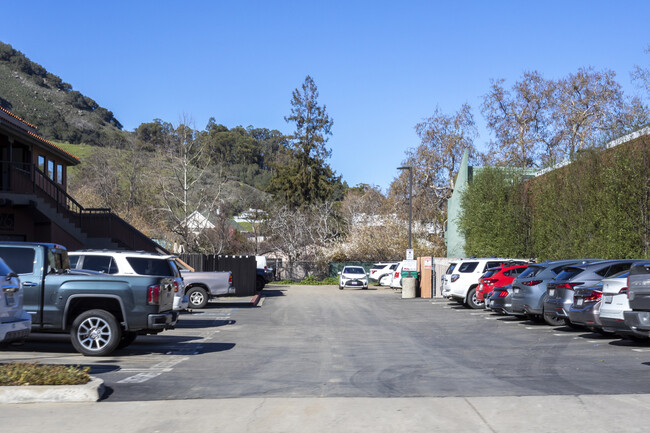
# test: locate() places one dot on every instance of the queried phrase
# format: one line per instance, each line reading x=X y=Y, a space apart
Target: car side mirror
x=339 y=273
x=11 y=275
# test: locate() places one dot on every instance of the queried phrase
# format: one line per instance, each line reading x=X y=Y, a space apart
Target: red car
x=497 y=277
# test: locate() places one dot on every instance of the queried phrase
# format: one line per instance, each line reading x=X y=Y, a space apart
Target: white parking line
x=641 y=350
x=153 y=371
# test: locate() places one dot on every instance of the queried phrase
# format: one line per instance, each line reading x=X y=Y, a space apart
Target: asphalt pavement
x=316 y=359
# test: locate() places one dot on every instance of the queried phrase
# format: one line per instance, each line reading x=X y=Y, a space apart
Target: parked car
x=462 y=283
x=133 y=263
x=560 y=290
x=498 y=277
x=387 y=278
x=396 y=281
x=445 y=287
x=638 y=295
x=101 y=312
x=353 y=276
x=15 y=323
x=500 y=299
x=264 y=273
x=529 y=288
x=379 y=270
x=587 y=302
x=613 y=306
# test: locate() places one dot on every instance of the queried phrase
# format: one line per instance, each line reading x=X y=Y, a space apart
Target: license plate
x=609 y=299
x=579 y=302
x=10 y=299
x=516 y=289
x=551 y=292
x=354 y=283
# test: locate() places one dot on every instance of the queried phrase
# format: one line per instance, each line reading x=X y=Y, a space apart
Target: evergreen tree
x=304 y=177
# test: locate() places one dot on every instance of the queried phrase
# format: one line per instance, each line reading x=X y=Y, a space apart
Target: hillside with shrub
x=31 y=92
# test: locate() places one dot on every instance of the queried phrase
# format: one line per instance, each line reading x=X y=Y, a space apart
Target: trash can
x=410 y=284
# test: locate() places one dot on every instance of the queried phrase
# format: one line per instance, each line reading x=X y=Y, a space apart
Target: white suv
x=462 y=278
x=132 y=263
x=380 y=269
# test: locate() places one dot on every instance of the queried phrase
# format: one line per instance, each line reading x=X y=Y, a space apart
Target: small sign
x=427 y=263
x=409 y=254
x=410 y=265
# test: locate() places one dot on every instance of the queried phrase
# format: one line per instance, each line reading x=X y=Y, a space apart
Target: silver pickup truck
x=200 y=287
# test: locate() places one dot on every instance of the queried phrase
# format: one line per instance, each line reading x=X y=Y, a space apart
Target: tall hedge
x=596 y=207
x=494 y=214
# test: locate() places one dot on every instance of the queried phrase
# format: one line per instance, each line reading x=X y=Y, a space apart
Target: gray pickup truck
x=200 y=287
x=101 y=312
x=639 y=298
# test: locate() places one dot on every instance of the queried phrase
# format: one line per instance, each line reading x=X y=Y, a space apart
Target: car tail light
x=175 y=286
x=568 y=286
x=490 y=280
x=503 y=293
x=454 y=277
x=595 y=295
x=623 y=290
x=396 y=274
x=230 y=279
x=628 y=288
x=154 y=295
x=531 y=283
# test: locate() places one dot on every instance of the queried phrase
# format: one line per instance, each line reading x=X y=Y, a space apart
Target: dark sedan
x=560 y=290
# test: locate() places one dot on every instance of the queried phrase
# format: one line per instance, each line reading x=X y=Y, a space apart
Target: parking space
x=318 y=341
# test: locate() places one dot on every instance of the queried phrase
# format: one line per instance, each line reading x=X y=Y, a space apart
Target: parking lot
x=317 y=341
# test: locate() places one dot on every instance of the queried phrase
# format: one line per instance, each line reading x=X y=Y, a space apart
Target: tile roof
x=32 y=131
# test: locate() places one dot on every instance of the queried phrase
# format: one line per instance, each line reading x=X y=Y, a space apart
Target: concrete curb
x=91 y=391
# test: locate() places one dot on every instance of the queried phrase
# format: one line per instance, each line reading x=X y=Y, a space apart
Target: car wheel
x=383 y=280
x=472 y=300
x=128 y=337
x=552 y=319
x=95 y=333
x=340 y=287
x=198 y=297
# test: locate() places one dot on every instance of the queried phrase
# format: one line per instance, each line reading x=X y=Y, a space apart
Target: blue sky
x=380 y=67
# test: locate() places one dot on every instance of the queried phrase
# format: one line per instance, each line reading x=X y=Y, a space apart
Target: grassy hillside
x=42 y=98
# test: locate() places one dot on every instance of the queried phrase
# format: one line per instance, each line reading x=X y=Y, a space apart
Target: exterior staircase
x=92 y=227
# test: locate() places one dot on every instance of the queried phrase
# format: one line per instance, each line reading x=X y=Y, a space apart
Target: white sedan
x=353 y=276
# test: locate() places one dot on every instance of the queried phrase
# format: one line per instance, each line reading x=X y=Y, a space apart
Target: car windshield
x=568 y=273
x=490 y=272
x=354 y=270
x=622 y=274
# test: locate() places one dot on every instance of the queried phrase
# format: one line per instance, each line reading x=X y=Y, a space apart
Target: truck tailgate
x=166 y=294
x=639 y=287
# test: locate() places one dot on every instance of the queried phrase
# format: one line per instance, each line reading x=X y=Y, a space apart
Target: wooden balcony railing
x=24 y=178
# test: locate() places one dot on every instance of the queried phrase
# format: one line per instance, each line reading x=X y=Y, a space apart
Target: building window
x=59 y=174
x=41 y=163
x=50 y=169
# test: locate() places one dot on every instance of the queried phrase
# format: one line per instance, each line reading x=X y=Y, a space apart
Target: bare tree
x=189 y=188
x=585 y=108
x=520 y=120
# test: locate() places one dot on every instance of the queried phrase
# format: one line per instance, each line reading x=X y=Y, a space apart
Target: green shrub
x=16 y=374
